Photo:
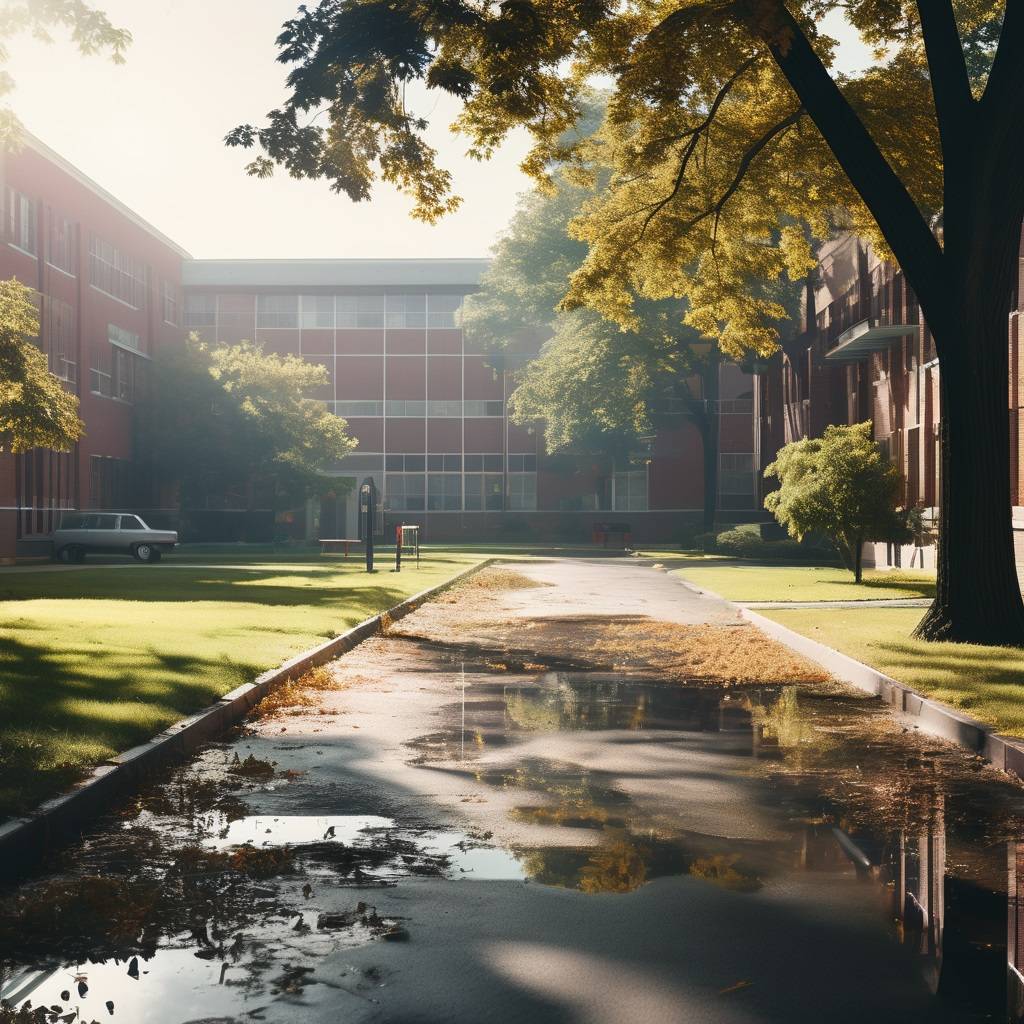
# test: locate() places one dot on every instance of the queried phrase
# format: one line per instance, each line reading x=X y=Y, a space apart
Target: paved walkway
x=553 y=847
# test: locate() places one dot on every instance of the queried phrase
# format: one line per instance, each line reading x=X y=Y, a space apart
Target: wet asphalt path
x=544 y=846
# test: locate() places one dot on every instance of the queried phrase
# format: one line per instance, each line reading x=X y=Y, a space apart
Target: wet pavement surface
x=457 y=834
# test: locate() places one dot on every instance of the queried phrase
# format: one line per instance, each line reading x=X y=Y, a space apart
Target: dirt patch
x=488 y=581
x=299 y=696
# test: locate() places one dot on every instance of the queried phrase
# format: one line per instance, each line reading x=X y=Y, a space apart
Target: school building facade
x=428 y=409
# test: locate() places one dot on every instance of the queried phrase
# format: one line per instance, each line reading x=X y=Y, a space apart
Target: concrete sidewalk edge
x=915 y=709
x=24 y=839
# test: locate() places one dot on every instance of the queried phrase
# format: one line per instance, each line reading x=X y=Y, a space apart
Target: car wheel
x=147 y=552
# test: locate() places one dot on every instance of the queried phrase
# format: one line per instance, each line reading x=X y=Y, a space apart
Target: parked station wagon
x=109 y=533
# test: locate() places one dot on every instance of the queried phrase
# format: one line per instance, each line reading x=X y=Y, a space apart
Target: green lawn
x=985 y=682
x=740 y=582
x=96 y=660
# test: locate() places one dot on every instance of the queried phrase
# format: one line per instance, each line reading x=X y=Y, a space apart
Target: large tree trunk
x=978 y=598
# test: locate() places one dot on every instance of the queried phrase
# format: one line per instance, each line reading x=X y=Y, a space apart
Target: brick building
x=110 y=295
x=428 y=409
x=863 y=351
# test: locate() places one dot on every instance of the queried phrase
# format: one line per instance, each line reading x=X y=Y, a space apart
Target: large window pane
x=317 y=311
x=366 y=311
x=630 y=491
x=406 y=311
x=444 y=311
x=522 y=491
x=406 y=492
x=277 y=311
x=444 y=492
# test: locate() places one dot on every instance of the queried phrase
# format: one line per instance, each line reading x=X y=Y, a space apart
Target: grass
x=96 y=660
x=806 y=583
x=985 y=682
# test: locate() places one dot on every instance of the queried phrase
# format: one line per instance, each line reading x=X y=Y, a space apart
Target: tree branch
x=892 y=206
x=947 y=68
x=694 y=139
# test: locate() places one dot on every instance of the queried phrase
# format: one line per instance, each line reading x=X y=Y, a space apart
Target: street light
x=366 y=511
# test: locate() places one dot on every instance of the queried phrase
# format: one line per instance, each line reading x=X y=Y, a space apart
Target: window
x=131 y=523
x=448 y=407
x=403 y=407
x=123 y=382
x=444 y=492
x=170 y=297
x=477 y=407
x=522 y=491
x=21 y=221
x=116 y=273
x=484 y=491
x=736 y=474
x=488 y=463
x=200 y=310
x=366 y=311
x=318 y=311
x=444 y=463
x=58 y=338
x=109 y=481
x=629 y=491
x=522 y=463
x=407 y=311
x=444 y=311
x=405 y=463
x=61 y=250
x=406 y=492
x=277 y=311
x=358 y=408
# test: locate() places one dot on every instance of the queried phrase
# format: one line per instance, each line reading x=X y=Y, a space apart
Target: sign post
x=398 y=548
x=366 y=511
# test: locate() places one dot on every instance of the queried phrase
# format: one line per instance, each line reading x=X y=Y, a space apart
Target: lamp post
x=366 y=511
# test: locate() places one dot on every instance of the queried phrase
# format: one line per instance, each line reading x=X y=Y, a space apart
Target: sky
x=151 y=132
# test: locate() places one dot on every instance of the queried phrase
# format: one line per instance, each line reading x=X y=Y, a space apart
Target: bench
x=330 y=544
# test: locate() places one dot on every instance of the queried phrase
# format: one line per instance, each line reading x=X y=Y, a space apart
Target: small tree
x=235 y=418
x=841 y=485
x=35 y=409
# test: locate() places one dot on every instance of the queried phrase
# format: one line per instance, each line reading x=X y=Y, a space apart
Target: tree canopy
x=35 y=409
x=841 y=485
x=718 y=128
x=234 y=419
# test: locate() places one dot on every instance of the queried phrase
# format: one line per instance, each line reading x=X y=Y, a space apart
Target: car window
x=105 y=523
x=131 y=523
x=72 y=522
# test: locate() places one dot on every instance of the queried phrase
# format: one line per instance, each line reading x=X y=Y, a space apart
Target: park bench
x=330 y=544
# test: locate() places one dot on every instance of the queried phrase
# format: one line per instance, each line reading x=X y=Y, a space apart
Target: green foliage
x=840 y=485
x=235 y=418
x=35 y=409
x=712 y=150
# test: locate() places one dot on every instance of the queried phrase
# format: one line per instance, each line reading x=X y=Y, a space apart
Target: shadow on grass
x=61 y=712
x=264 y=587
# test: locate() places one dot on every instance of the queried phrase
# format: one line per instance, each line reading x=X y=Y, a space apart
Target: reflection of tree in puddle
x=624 y=862
x=567 y=707
x=726 y=871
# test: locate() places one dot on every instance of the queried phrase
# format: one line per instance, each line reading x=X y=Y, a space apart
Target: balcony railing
x=868 y=315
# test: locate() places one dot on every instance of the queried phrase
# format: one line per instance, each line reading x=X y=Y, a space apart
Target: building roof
x=425 y=273
x=40 y=147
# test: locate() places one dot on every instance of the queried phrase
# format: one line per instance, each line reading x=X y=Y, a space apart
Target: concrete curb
x=915 y=709
x=24 y=840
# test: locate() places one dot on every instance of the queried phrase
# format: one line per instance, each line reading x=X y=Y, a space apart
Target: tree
x=237 y=419
x=729 y=130
x=35 y=409
x=841 y=485
x=595 y=385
